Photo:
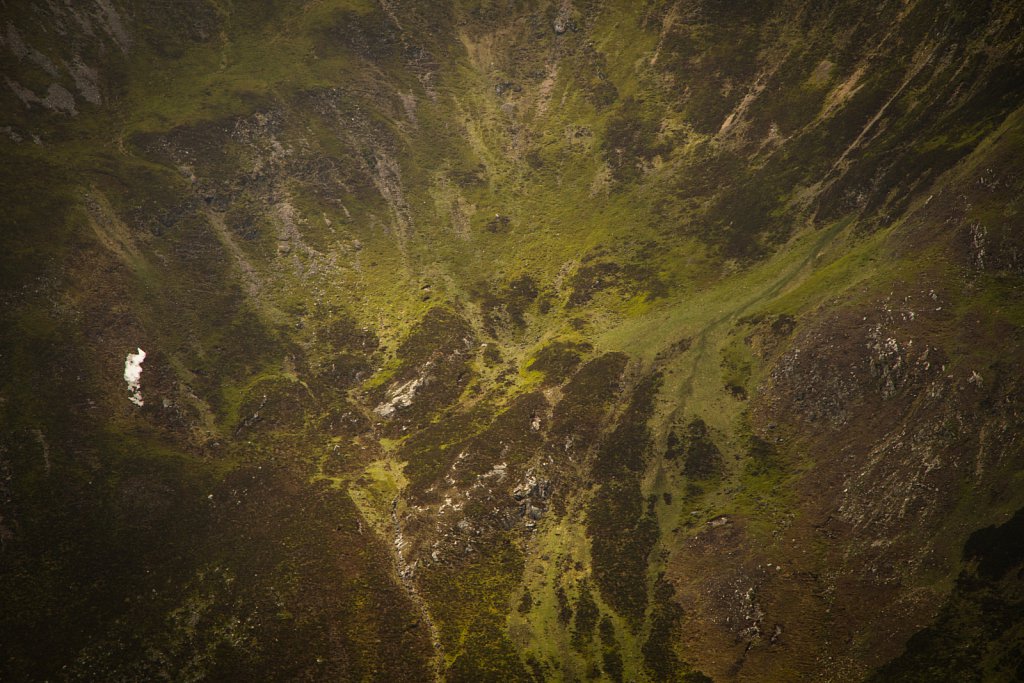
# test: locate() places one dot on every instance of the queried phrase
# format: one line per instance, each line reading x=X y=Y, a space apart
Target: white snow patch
x=133 y=375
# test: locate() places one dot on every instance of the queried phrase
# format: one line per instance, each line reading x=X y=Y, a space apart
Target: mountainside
x=501 y=341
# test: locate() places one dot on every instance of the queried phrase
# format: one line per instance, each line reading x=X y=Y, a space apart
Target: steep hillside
x=497 y=341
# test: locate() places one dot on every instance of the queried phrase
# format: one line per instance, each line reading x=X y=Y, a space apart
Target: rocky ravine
x=582 y=340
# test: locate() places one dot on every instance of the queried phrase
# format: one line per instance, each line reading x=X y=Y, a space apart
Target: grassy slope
x=545 y=158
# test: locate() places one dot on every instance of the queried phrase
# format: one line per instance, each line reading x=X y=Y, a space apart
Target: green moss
x=375 y=492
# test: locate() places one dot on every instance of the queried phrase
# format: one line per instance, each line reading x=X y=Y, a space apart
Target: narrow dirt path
x=700 y=345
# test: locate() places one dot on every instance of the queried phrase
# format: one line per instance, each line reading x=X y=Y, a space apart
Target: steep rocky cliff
x=495 y=341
